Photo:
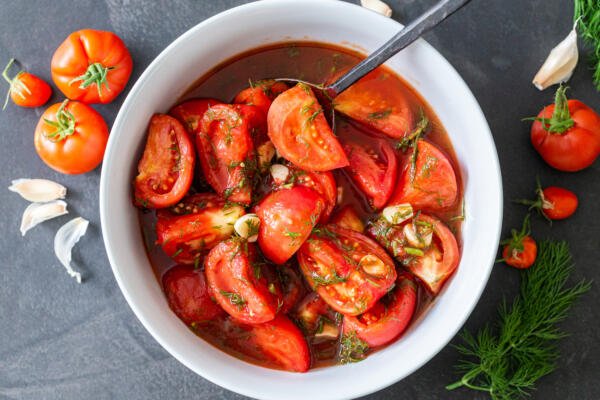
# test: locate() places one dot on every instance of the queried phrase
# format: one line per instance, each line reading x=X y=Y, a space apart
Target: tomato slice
x=195 y=225
x=190 y=112
x=373 y=168
x=239 y=284
x=254 y=96
x=347 y=218
x=188 y=296
x=386 y=321
x=166 y=169
x=347 y=269
x=429 y=183
x=287 y=217
x=378 y=102
x=226 y=152
x=299 y=131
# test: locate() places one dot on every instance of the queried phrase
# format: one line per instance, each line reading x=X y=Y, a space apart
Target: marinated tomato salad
x=284 y=242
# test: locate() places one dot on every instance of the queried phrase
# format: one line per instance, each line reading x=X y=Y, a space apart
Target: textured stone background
x=60 y=340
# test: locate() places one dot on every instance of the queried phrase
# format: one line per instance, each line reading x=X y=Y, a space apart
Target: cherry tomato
x=567 y=134
x=226 y=152
x=520 y=250
x=386 y=321
x=26 y=90
x=70 y=137
x=427 y=181
x=347 y=218
x=195 y=225
x=553 y=202
x=347 y=269
x=91 y=66
x=299 y=131
x=321 y=182
x=378 y=102
x=190 y=112
x=239 y=284
x=166 y=169
x=188 y=296
x=373 y=168
x=287 y=217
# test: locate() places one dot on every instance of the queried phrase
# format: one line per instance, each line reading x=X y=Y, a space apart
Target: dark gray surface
x=60 y=340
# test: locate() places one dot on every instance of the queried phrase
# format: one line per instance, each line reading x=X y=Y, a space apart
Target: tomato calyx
x=561 y=120
x=515 y=242
x=95 y=73
x=16 y=85
x=64 y=124
x=540 y=203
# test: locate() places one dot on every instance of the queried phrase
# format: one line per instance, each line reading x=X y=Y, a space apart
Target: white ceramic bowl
x=233 y=32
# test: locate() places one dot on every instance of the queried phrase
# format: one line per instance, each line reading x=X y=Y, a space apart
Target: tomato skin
x=347 y=218
x=434 y=186
x=254 y=96
x=27 y=90
x=82 y=49
x=321 y=182
x=287 y=218
x=79 y=152
x=575 y=149
x=187 y=294
x=190 y=113
x=384 y=323
x=561 y=203
x=521 y=259
x=165 y=173
x=300 y=132
x=291 y=286
x=374 y=169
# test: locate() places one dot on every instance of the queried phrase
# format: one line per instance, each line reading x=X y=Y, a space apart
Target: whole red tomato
x=26 y=90
x=91 y=66
x=520 y=251
x=567 y=134
x=553 y=202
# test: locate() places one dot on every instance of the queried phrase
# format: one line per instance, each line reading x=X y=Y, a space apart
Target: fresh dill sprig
x=587 y=18
x=506 y=361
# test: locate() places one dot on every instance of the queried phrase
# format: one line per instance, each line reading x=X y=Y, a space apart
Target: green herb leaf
x=587 y=18
x=234 y=298
x=352 y=349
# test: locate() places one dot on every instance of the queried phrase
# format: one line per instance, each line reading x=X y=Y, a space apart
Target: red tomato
x=520 y=250
x=238 y=283
x=194 y=226
x=291 y=287
x=313 y=312
x=91 y=66
x=321 y=182
x=373 y=168
x=428 y=182
x=347 y=269
x=378 y=102
x=558 y=203
x=254 y=96
x=70 y=137
x=226 y=152
x=287 y=217
x=26 y=90
x=190 y=112
x=385 y=322
x=349 y=219
x=299 y=131
x=567 y=134
x=166 y=169
x=188 y=296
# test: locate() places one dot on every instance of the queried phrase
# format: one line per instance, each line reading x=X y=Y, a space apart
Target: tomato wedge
x=166 y=169
x=386 y=321
x=429 y=183
x=195 y=225
x=238 y=283
x=291 y=285
x=287 y=217
x=226 y=152
x=373 y=168
x=188 y=296
x=299 y=131
x=347 y=269
x=347 y=218
x=378 y=102
x=254 y=96
x=190 y=112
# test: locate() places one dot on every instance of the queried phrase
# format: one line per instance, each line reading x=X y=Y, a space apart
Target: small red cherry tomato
x=558 y=203
x=347 y=218
x=520 y=251
x=26 y=89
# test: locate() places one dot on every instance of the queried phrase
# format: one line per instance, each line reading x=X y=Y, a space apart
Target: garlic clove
x=247 y=227
x=280 y=173
x=64 y=241
x=398 y=214
x=373 y=265
x=328 y=332
x=38 y=190
x=36 y=213
x=560 y=63
x=419 y=240
x=264 y=154
x=378 y=6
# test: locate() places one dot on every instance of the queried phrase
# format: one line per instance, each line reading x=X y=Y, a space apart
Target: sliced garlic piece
x=247 y=227
x=419 y=240
x=328 y=332
x=560 y=63
x=38 y=190
x=378 y=6
x=265 y=153
x=36 y=213
x=280 y=173
x=373 y=265
x=66 y=237
x=398 y=214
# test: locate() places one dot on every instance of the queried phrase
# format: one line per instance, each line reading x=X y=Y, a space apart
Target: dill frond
x=587 y=18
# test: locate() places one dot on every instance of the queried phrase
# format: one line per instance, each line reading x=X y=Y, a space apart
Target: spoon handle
x=406 y=36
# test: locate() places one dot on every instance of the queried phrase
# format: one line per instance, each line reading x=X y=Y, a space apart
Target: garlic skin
x=38 y=190
x=560 y=63
x=64 y=241
x=378 y=6
x=36 y=213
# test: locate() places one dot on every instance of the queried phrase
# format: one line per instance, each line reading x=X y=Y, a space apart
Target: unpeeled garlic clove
x=560 y=63
x=38 y=190
x=36 y=213
x=66 y=237
x=378 y=6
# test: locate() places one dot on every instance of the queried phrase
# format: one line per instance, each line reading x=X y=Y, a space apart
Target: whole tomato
x=553 y=202
x=520 y=250
x=26 y=90
x=567 y=134
x=70 y=137
x=91 y=66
